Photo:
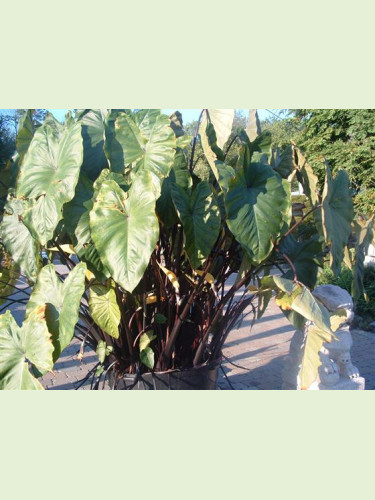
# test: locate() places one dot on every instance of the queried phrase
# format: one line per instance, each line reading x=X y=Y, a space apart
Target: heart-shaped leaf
x=143 y=141
x=93 y=134
x=200 y=217
x=48 y=176
x=104 y=308
x=62 y=301
x=19 y=347
x=127 y=239
x=257 y=206
x=338 y=214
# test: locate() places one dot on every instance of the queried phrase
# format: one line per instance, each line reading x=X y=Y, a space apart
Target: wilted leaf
x=171 y=276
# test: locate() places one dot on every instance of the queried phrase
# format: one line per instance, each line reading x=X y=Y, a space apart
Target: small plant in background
x=162 y=263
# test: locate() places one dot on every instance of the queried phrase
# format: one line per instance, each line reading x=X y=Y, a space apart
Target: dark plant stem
x=70 y=264
x=229 y=146
x=297 y=224
x=218 y=315
x=19 y=290
x=166 y=356
x=292 y=266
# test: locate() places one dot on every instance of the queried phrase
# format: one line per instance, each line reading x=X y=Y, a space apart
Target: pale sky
x=188 y=115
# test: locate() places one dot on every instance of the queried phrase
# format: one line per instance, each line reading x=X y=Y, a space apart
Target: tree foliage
x=346 y=139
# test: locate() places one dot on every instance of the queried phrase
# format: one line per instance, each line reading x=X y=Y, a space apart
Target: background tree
x=346 y=139
x=9 y=119
x=7 y=140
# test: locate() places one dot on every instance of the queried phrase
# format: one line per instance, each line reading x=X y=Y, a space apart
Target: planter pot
x=201 y=378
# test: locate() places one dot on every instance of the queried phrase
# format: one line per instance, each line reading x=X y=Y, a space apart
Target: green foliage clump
x=7 y=141
x=346 y=139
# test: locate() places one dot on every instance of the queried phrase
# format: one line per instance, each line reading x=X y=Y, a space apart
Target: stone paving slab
x=257 y=352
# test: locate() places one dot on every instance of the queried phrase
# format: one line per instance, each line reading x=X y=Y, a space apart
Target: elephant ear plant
x=126 y=248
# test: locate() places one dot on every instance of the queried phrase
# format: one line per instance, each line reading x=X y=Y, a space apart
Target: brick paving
x=69 y=372
x=257 y=352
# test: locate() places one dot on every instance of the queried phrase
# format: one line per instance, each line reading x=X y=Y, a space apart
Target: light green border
x=216 y=445
x=230 y=445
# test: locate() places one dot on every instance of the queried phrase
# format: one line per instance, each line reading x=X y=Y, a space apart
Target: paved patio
x=253 y=358
x=259 y=354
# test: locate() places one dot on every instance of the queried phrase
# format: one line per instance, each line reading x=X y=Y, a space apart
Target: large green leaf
x=76 y=215
x=283 y=162
x=49 y=175
x=338 y=215
x=23 y=248
x=143 y=141
x=314 y=340
x=19 y=347
x=253 y=129
x=258 y=151
x=62 y=301
x=224 y=174
x=93 y=134
x=222 y=121
x=104 y=308
x=306 y=256
x=215 y=129
x=257 y=206
x=179 y=175
x=146 y=120
x=125 y=229
x=310 y=361
x=77 y=223
x=200 y=217
x=306 y=177
x=128 y=143
x=298 y=298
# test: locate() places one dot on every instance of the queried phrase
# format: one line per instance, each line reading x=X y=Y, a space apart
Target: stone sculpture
x=337 y=371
